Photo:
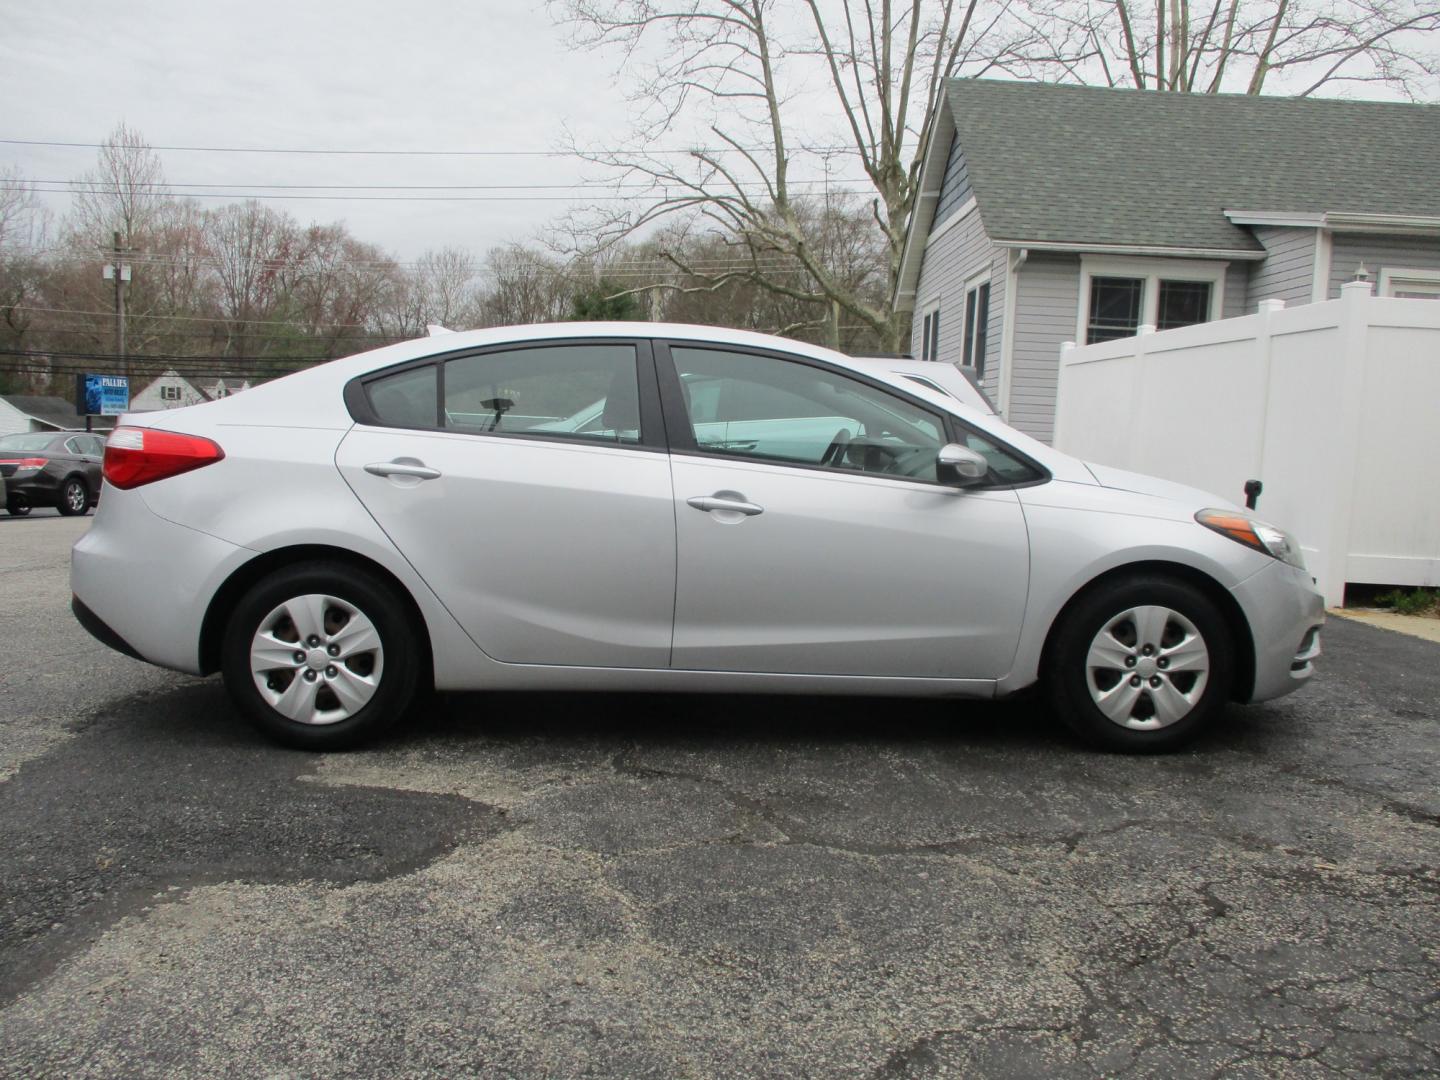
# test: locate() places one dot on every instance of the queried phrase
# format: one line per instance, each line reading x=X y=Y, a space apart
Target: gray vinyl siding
x=948 y=263
x=1379 y=253
x=1047 y=303
x=1235 y=301
x=1289 y=267
x=954 y=188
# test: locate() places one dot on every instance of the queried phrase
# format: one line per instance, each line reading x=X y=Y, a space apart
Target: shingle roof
x=1088 y=165
x=51 y=410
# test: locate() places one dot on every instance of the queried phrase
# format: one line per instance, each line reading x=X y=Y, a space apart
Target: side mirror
x=961 y=466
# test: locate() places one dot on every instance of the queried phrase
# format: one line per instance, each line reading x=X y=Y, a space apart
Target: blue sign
x=102 y=395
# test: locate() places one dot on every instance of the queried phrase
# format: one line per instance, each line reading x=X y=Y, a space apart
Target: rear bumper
x=1285 y=613
x=99 y=630
x=38 y=489
x=142 y=584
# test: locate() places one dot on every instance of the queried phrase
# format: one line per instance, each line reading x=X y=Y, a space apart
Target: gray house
x=1059 y=213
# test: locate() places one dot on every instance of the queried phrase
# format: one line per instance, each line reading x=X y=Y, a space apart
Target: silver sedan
x=646 y=506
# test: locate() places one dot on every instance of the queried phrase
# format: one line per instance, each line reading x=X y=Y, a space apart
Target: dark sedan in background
x=51 y=468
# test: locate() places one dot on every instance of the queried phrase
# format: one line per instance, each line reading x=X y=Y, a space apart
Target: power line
x=671 y=192
x=656 y=152
x=167 y=358
x=88 y=185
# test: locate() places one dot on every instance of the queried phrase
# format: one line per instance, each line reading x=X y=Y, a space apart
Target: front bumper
x=1285 y=613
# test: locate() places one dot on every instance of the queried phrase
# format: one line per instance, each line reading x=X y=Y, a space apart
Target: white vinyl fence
x=1334 y=407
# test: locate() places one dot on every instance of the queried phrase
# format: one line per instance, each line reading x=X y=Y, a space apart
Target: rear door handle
x=722 y=502
x=415 y=469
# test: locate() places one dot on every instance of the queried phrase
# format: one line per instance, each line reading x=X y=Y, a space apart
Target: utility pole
x=120 y=271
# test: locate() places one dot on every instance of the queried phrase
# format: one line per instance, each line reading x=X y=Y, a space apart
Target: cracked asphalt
x=636 y=886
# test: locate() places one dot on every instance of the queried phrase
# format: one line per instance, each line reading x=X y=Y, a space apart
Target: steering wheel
x=836 y=449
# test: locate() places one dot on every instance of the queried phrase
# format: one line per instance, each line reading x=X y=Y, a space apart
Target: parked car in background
x=51 y=468
x=959 y=383
x=744 y=513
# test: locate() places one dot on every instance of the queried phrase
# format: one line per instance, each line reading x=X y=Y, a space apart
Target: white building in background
x=216 y=389
x=170 y=391
x=173 y=391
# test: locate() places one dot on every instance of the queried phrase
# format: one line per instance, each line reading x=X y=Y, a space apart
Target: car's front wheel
x=1140 y=664
x=321 y=656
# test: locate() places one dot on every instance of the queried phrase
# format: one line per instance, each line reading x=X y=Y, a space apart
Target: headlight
x=1266 y=539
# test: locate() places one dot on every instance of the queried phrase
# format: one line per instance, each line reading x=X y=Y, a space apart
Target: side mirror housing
x=960 y=466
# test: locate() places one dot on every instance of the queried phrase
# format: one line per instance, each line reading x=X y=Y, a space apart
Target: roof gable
x=1095 y=166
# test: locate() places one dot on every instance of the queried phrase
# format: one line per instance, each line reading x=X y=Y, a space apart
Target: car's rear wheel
x=74 y=497
x=1140 y=665
x=321 y=656
x=17 y=507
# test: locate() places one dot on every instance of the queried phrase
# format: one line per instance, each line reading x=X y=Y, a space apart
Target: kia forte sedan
x=637 y=506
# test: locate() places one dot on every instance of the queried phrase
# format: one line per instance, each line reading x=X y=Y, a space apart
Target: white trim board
x=1144 y=251
x=964 y=211
x=1151 y=271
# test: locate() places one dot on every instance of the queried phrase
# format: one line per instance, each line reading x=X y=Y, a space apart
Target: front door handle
x=725 y=501
x=407 y=467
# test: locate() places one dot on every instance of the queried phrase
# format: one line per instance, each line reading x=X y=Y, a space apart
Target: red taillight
x=26 y=462
x=136 y=456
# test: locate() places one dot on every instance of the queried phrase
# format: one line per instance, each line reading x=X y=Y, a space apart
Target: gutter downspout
x=1015 y=260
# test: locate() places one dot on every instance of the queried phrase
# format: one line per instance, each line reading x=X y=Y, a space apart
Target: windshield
x=35 y=440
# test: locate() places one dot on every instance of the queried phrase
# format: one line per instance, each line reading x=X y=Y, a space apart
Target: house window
x=1118 y=296
x=930 y=335
x=1114 y=308
x=977 y=325
x=170 y=393
x=1182 y=303
x=1410 y=284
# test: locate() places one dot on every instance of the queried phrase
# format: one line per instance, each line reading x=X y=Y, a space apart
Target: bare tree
x=446 y=279
x=22 y=229
x=124 y=193
x=524 y=287
x=251 y=250
x=746 y=70
x=1241 y=46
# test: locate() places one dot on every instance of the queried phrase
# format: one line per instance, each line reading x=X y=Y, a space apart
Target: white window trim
x=930 y=308
x=1390 y=278
x=1152 y=271
x=974 y=281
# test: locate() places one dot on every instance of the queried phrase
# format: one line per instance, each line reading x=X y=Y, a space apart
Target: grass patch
x=1412 y=601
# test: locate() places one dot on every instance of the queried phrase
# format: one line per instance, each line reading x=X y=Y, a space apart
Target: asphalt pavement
x=663 y=886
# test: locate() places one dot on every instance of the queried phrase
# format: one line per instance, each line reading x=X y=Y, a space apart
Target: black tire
x=1069 y=679
x=74 y=497
x=401 y=654
x=17 y=508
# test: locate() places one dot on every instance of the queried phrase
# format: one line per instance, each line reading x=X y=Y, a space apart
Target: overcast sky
x=362 y=74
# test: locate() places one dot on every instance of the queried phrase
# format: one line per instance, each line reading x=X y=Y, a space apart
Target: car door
x=549 y=546
x=90 y=449
x=834 y=552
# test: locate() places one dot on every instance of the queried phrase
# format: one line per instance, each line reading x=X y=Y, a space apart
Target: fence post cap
x=1145 y=328
x=1356 y=289
x=1270 y=305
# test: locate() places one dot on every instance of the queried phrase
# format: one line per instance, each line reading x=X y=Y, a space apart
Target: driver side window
x=785 y=412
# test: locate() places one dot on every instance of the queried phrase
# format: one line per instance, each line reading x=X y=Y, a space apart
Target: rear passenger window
x=556 y=391
x=407 y=399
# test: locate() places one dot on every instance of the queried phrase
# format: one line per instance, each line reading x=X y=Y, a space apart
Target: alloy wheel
x=316 y=659
x=1147 y=667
